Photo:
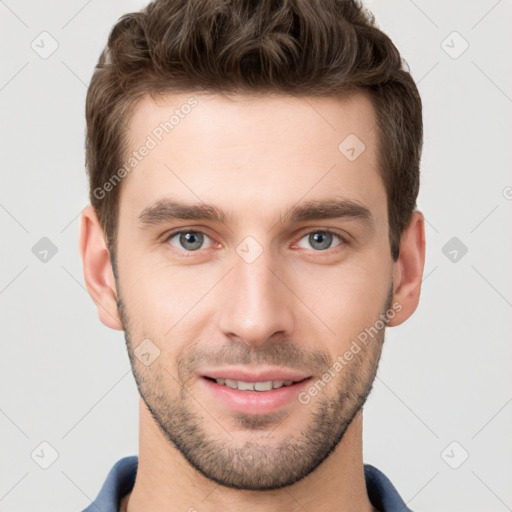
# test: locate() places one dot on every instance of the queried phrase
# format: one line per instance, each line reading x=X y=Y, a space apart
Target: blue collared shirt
x=121 y=479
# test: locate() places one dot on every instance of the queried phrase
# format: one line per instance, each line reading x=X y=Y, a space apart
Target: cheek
x=161 y=301
x=347 y=298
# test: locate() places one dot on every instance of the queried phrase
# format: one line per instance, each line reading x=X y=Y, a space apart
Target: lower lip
x=255 y=402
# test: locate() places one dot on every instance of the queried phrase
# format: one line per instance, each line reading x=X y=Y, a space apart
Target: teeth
x=254 y=386
x=264 y=386
x=245 y=386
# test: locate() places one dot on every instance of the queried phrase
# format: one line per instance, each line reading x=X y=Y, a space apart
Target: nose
x=257 y=302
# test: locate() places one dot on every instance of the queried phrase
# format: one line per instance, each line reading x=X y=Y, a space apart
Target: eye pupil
x=191 y=237
x=322 y=238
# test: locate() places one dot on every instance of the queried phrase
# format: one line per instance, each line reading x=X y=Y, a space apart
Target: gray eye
x=319 y=240
x=188 y=240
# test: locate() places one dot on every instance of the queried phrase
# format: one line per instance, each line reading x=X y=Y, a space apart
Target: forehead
x=252 y=152
x=234 y=119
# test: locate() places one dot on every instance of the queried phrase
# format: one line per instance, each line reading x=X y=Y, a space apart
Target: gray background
x=444 y=387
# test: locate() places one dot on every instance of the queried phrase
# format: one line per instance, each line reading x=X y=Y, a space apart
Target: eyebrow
x=169 y=209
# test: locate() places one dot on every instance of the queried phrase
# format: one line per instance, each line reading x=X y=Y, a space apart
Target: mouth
x=266 y=385
x=255 y=393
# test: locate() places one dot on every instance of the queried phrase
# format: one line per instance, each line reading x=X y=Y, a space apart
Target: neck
x=166 y=481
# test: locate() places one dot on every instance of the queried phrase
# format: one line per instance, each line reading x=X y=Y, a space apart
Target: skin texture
x=299 y=304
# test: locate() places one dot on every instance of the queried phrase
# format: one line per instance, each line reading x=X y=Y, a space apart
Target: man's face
x=260 y=289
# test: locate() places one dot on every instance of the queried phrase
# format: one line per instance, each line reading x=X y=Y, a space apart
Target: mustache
x=283 y=353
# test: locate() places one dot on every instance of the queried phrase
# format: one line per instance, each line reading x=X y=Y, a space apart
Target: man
x=254 y=168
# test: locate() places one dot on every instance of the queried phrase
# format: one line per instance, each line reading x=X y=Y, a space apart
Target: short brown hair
x=295 y=47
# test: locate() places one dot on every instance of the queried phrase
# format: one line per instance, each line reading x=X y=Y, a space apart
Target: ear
x=408 y=269
x=98 y=274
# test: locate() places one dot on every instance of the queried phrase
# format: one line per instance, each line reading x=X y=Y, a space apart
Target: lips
x=254 y=391
x=245 y=375
x=262 y=392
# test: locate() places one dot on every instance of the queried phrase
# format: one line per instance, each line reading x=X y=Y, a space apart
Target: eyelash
x=344 y=240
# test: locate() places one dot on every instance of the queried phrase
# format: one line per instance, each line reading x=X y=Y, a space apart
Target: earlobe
x=408 y=269
x=97 y=267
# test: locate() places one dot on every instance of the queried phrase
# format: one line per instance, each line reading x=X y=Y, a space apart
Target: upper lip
x=246 y=375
